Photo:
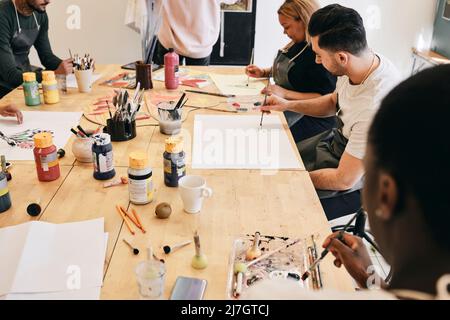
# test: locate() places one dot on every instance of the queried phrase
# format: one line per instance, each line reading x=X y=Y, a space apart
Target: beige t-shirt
x=191 y=27
x=359 y=104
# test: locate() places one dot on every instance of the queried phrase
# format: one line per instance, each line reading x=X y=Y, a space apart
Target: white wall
x=393 y=27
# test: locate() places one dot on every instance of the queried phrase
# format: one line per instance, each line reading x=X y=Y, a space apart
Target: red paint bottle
x=46 y=157
x=171 y=69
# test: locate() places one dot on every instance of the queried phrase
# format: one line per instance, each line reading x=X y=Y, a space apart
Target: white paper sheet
x=237 y=84
x=57 y=122
x=53 y=258
x=82 y=294
x=72 y=81
x=237 y=142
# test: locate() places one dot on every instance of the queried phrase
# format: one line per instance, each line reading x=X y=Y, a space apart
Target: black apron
x=281 y=68
x=325 y=151
x=21 y=43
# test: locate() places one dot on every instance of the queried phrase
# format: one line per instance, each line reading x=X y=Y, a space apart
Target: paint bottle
x=102 y=154
x=140 y=178
x=50 y=87
x=174 y=161
x=171 y=69
x=5 y=199
x=31 y=89
x=46 y=157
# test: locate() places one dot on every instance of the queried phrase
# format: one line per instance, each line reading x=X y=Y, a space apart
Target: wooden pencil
x=138 y=220
x=124 y=219
x=133 y=219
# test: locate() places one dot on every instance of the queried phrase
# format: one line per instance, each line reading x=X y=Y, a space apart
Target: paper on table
x=237 y=84
x=72 y=81
x=57 y=122
x=82 y=294
x=53 y=258
x=237 y=142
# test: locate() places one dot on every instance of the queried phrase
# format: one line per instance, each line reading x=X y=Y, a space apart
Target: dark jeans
x=308 y=127
x=161 y=51
x=342 y=205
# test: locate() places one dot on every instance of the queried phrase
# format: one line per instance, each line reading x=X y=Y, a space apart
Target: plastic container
x=46 y=157
x=82 y=149
x=171 y=69
x=50 y=87
x=102 y=155
x=140 y=178
x=5 y=199
x=174 y=161
x=121 y=130
x=31 y=89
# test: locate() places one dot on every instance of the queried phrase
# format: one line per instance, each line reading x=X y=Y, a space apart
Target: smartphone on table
x=188 y=289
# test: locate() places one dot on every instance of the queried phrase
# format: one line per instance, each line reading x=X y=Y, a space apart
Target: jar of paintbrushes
x=122 y=122
x=170 y=116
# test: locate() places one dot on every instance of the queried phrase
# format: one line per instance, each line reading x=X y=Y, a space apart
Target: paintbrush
x=269 y=254
x=251 y=62
x=265 y=101
x=325 y=252
x=213 y=94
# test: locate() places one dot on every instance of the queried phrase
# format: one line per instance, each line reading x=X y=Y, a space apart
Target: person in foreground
x=406 y=198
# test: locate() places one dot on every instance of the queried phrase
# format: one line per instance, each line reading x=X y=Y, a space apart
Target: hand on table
x=11 y=111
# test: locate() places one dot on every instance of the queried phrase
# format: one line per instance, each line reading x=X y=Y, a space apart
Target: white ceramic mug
x=84 y=80
x=192 y=191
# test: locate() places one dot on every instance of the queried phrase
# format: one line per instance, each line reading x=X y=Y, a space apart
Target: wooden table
x=244 y=201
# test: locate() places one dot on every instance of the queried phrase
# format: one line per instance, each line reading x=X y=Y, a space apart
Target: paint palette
x=289 y=263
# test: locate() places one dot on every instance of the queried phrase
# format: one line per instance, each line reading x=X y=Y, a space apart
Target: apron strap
x=17 y=17
x=298 y=55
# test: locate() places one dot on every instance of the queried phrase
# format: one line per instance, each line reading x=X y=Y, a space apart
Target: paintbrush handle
x=269 y=254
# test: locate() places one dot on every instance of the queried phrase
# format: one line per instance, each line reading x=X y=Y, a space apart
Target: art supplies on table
x=102 y=152
x=122 y=125
x=44 y=260
x=237 y=84
x=83 y=63
x=281 y=258
x=5 y=199
x=140 y=178
x=144 y=75
x=238 y=143
x=31 y=89
x=50 y=87
x=187 y=77
x=174 y=161
x=46 y=157
x=126 y=80
x=170 y=116
x=171 y=66
x=17 y=143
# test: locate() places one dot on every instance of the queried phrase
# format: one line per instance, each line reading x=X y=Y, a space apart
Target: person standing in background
x=191 y=28
x=23 y=24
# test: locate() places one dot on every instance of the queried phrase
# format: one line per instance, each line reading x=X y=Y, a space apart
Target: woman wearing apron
x=295 y=72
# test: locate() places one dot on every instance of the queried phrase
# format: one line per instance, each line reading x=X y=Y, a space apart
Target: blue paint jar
x=102 y=156
x=5 y=199
x=174 y=162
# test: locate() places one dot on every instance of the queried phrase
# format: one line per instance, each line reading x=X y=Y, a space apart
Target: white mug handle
x=207 y=192
x=442 y=288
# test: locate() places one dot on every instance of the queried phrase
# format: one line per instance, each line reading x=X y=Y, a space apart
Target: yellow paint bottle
x=50 y=87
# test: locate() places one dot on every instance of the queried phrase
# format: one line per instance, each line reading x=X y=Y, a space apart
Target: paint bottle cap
x=43 y=140
x=174 y=144
x=102 y=139
x=48 y=76
x=138 y=160
x=29 y=76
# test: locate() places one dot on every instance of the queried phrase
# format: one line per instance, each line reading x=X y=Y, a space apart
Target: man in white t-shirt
x=191 y=28
x=334 y=158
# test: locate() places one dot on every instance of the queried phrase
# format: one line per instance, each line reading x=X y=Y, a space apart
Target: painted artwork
x=16 y=141
x=240 y=6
